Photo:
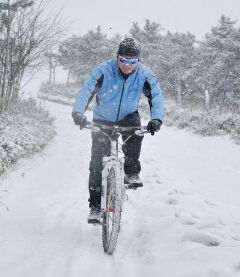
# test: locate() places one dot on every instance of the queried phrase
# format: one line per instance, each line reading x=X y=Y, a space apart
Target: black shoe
x=132 y=181
x=94 y=216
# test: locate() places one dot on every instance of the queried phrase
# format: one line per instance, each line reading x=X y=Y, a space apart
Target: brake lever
x=142 y=131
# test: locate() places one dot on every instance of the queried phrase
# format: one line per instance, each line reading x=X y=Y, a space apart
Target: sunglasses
x=127 y=61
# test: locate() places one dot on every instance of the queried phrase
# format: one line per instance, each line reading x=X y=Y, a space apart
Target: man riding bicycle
x=118 y=85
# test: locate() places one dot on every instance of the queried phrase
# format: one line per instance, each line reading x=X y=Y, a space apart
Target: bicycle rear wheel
x=112 y=215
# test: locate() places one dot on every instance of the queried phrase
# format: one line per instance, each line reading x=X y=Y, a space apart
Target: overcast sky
x=196 y=16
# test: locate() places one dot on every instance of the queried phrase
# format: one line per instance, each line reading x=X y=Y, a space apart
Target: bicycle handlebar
x=138 y=130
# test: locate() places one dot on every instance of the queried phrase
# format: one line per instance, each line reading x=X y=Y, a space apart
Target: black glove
x=154 y=125
x=79 y=119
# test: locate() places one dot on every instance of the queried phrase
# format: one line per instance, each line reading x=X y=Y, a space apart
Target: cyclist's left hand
x=154 y=125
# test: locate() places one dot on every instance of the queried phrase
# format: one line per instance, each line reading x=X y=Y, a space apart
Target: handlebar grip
x=88 y=125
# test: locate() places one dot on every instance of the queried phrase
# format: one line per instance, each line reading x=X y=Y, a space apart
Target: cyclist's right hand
x=79 y=119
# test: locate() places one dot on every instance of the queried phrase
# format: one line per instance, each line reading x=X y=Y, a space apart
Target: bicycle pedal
x=94 y=221
x=132 y=187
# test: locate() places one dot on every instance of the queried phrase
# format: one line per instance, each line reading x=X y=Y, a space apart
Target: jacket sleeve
x=154 y=94
x=89 y=89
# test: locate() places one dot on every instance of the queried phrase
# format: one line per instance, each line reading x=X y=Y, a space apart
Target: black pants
x=101 y=147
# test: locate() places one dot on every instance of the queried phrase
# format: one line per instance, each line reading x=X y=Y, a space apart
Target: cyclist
x=118 y=85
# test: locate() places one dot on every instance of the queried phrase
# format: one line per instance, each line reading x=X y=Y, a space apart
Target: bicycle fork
x=107 y=163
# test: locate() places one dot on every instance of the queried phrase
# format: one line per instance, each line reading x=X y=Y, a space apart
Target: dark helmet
x=129 y=47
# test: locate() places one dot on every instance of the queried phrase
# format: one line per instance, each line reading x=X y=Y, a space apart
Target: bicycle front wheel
x=112 y=215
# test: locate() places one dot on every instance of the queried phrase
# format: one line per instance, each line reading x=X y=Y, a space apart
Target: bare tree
x=27 y=32
x=52 y=63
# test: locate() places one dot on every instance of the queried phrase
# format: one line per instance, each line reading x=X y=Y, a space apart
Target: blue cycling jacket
x=118 y=97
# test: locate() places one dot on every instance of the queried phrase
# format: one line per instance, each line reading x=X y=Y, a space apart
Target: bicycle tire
x=112 y=215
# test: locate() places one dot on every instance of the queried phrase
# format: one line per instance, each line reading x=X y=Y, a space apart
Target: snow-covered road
x=184 y=222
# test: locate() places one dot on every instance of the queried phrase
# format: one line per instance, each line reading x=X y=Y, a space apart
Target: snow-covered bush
x=202 y=121
x=26 y=129
x=61 y=93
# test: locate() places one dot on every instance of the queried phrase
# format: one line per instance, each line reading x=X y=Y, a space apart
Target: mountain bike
x=113 y=189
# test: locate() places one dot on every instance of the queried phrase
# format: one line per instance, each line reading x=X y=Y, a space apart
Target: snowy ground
x=185 y=221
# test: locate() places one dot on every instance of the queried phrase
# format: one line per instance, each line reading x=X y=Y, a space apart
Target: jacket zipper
x=119 y=107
